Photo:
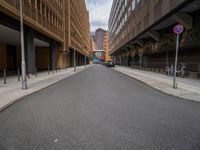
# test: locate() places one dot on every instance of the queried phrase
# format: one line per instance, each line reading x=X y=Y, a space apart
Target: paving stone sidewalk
x=11 y=92
x=188 y=89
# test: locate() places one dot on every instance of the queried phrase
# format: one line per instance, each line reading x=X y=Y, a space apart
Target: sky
x=99 y=13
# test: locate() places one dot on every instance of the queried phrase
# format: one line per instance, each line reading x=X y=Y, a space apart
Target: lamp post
x=23 y=62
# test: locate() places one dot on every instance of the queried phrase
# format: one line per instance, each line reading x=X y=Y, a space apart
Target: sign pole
x=176 y=61
x=178 y=29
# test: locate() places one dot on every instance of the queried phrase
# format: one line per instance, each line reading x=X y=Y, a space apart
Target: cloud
x=99 y=13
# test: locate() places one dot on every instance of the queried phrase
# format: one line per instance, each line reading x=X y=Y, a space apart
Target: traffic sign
x=178 y=29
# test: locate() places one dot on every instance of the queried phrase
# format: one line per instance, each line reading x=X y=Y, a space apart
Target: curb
x=18 y=99
x=179 y=97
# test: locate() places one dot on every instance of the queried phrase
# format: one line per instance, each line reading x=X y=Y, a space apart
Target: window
x=133 y=5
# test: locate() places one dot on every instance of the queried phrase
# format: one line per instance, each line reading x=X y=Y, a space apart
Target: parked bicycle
x=181 y=70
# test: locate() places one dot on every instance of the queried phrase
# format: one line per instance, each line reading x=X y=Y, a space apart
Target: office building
x=141 y=33
x=49 y=27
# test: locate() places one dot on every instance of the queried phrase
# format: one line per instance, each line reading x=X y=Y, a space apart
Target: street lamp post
x=23 y=62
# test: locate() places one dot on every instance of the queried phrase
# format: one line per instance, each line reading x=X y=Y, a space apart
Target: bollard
x=28 y=76
x=36 y=72
x=52 y=70
x=4 y=76
x=18 y=74
x=48 y=69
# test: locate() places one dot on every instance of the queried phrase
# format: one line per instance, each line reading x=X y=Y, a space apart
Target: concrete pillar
x=120 y=60
x=83 y=60
x=53 y=55
x=141 y=60
x=72 y=58
x=126 y=61
x=78 y=56
x=77 y=59
x=30 y=52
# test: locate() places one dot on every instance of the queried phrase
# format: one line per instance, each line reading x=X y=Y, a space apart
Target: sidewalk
x=11 y=92
x=187 y=88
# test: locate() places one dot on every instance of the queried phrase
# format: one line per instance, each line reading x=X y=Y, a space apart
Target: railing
x=36 y=16
x=190 y=66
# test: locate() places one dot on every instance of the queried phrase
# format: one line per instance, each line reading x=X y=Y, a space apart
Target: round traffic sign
x=178 y=29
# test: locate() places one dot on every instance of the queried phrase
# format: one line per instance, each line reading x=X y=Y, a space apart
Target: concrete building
x=99 y=51
x=101 y=40
x=92 y=43
x=48 y=27
x=77 y=30
x=141 y=33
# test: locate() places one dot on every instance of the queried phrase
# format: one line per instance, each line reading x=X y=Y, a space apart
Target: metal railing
x=36 y=16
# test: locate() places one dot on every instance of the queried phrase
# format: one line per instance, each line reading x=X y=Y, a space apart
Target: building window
x=133 y=5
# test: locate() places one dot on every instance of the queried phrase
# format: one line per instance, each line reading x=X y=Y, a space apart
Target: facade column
x=120 y=59
x=141 y=57
x=72 y=58
x=30 y=52
x=53 y=55
x=77 y=59
x=83 y=60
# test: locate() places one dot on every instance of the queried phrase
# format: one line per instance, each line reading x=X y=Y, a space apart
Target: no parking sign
x=178 y=29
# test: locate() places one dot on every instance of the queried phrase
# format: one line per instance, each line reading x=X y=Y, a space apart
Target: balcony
x=34 y=17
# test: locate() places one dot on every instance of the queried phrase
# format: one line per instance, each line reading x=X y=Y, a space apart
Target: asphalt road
x=100 y=109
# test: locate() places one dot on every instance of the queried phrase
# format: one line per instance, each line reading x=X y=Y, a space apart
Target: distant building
x=92 y=42
x=101 y=52
x=100 y=38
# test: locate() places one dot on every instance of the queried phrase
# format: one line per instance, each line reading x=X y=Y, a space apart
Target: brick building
x=48 y=27
x=141 y=33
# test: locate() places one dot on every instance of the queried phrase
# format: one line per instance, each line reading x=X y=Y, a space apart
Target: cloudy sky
x=99 y=13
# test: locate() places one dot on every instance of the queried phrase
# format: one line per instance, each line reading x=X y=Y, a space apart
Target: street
x=100 y=109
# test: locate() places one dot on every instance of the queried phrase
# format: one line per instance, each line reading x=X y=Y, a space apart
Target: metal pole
x=85 y=61
x=18 y=72
x=176 y=61
x=36 y=72
x=23 y=62
x=48 y=69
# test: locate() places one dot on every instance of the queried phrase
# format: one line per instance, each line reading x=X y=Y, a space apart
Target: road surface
x=100 y=109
